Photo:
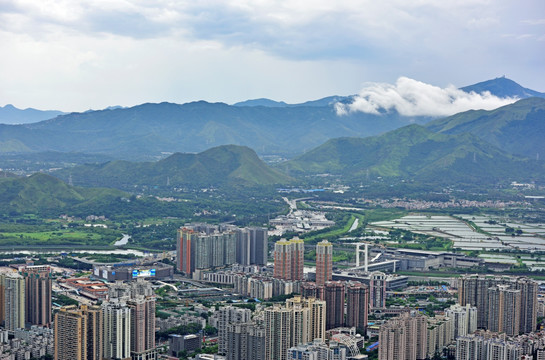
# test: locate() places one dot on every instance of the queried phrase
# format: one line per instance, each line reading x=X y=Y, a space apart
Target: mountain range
x=149 y=131
x=472 y=146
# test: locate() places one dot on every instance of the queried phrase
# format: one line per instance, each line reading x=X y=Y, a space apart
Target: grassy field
x=76 y=237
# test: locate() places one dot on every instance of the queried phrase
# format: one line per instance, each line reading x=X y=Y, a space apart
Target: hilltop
x=227 y=165
x=503 y=87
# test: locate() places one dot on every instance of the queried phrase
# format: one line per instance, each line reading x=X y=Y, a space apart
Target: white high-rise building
x=463 y=319
x=117 y=329
x=14 y=301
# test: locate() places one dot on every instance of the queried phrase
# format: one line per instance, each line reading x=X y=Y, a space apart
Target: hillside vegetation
x=415 y=153
x=518 y=128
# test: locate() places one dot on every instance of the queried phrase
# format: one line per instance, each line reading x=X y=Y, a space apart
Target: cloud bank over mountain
x=410 y=97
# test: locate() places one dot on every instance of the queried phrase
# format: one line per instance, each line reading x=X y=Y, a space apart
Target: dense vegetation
x=414 y=153
x=516 y=128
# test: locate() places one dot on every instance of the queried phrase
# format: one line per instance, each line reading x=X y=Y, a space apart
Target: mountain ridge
x=9 y=114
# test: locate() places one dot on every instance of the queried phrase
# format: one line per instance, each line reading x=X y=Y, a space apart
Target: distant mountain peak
x=261 y=102
x=503 y=87
x=10 y=114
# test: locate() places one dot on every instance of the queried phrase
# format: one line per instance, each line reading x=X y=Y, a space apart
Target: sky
x=74 y=55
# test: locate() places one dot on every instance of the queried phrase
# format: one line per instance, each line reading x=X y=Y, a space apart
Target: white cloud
x=414 y=98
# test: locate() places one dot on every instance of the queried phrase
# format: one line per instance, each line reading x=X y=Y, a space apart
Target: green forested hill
x=518 y=128
x=228 y=165
x=41 y=192
x=416 y=153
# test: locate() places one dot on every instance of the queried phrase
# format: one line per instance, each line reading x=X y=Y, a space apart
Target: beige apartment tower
x=404 y=338
x=78 y=333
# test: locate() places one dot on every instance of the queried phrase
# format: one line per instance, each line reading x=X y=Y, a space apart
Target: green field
x=52 y=233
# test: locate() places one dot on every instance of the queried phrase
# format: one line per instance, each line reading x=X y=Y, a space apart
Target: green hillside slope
x=228 y=165
x=414 y=152
x=518 y=128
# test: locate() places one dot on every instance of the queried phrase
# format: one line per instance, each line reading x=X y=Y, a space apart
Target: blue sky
x=74 y=55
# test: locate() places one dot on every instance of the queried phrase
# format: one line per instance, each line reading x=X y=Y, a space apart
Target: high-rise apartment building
x=504 y=309
x=528 y=304
x=229 y=315
x=439 y=334
x=252 y=246
x=310 y=289
x=377 y=290
x=117 y=329
x=200 y=250
x=475 y=289
x=334 y=296
x=357 y=306
x=463 y=319
x=300 y=321
x=38 y=294
x=185 y=252
x=79 y=333
x=138 y=297
x=317 y=351
x=308 y=319
x=289 y=259
x=324 y=265
x=142 y=328
x=488 y=346
x=14 y=301
x=277 y=332
x=245 y=341
x=404 y=338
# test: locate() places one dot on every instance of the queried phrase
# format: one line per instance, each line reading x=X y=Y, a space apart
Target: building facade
x=79 y=333
x=357 y=306
x=38 y=284
x=479 y=290
x=404 y=338
x=324 y=265
x=14 y=301
x=289 y=259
